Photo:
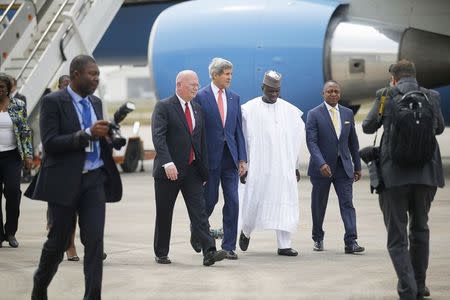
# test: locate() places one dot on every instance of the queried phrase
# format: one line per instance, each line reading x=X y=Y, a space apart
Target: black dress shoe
x=12 y=241
x=214 y=256
x=231 y=255
x=353 y=248
x=287 y=252
x=163 y=260
x=318 y=246
x=424 y=293
x=243 y=242
x=104 y=256
x=195 y=244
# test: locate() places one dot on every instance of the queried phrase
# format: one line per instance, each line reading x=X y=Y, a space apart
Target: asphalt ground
x=131 y=273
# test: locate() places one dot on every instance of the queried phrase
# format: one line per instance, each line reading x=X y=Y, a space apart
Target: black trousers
x=91 y=211
x=166 y=192
x=343 y=186
x=405 y=207
x=10 y=174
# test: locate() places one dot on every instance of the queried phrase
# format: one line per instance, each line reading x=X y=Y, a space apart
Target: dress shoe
x=287 y=252
x=318 y=246
x=195 y=244
x=424 y=293
x=12 y=241
x=214 y=256
x=104 y=256
x=73 y=258
x=163 y=260
x=243 y=242
x=353 y=248
x=231 y=255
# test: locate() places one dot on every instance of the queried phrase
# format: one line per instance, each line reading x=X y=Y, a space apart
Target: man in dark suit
x=78 y=175
x=226 y=148
x=333 y=145
x=178 y=132
x=408 y=191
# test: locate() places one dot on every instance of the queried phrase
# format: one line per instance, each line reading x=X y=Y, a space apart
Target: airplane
x=307 y=41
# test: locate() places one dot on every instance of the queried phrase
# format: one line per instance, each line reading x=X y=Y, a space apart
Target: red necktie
x=187 y=113
x=220 y=105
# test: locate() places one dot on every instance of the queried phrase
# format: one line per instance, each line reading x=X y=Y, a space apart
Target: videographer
x=409 y=188
x=78 y=175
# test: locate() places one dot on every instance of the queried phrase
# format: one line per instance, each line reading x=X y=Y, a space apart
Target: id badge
x=89 y=147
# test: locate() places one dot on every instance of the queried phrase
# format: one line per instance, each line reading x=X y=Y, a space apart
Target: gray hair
x=218 y=66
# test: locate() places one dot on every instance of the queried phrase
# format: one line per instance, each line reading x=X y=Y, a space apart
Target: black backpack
x=412 y=136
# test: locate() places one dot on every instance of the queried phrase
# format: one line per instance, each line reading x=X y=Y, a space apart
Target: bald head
x=187 y=85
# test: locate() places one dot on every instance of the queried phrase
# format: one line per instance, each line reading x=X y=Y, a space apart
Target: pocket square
x=347 y=122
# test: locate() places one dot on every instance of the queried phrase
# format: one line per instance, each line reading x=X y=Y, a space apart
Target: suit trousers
x=343 y=186
x=227 y=175
x=90 y=206
x=10 y=169
x=397 y=203
x=166 y=192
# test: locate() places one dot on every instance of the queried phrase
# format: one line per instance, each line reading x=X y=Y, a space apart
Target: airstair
x=38 y=38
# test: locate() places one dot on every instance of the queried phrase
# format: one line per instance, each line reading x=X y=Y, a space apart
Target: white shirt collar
x=330 y=107
x=215 y=89
x=182 y=102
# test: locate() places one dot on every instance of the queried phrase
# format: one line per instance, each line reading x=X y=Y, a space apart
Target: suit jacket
x=59 y=178
x=393 y=175
x=18 y=113
x=172 y=140
x=216 y=133
x=325 y=146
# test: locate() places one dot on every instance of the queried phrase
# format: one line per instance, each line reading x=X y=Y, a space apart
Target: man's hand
x=297 y=175
x=171 y=172
x=242 y=168
x=28 y=163
x=100 y=128
x=325 y=170
x=357 y=175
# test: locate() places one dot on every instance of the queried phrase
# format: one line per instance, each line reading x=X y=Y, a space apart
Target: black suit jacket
x=59 y=179
x=173 y=141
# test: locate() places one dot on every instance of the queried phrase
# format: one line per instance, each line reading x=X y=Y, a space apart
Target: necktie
x=87 y=122
x=334 y=119
x=187 y=113
x=220 y=105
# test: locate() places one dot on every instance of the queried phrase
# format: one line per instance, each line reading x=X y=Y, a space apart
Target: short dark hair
x=403 y=68
x=62 y=77
x=79 y=63
x=6 y=79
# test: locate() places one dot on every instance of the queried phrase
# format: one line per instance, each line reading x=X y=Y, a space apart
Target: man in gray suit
x=408 y=190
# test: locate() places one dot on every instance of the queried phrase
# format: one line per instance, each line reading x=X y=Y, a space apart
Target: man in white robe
x=273 y=132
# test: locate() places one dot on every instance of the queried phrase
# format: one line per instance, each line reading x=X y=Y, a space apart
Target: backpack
x=412 y=136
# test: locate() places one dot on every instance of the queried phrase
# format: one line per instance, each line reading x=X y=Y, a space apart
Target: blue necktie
x=87 y=123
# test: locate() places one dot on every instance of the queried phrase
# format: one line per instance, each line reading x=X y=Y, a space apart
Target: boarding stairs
x=38 y=38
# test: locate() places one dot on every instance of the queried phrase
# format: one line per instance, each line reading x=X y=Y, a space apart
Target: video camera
x=118 y=141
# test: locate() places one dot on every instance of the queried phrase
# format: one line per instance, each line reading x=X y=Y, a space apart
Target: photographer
x=78 y=175
x=411 y=171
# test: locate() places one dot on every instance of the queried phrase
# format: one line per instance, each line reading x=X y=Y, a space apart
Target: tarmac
x=130 y=271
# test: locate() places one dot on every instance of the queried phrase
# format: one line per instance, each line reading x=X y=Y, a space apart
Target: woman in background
x=15 y=150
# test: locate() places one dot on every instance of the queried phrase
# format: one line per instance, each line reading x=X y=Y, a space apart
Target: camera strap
x=380 y=111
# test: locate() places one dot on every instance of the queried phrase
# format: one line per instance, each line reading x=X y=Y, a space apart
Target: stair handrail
x=60 y=10
x=5 y=13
